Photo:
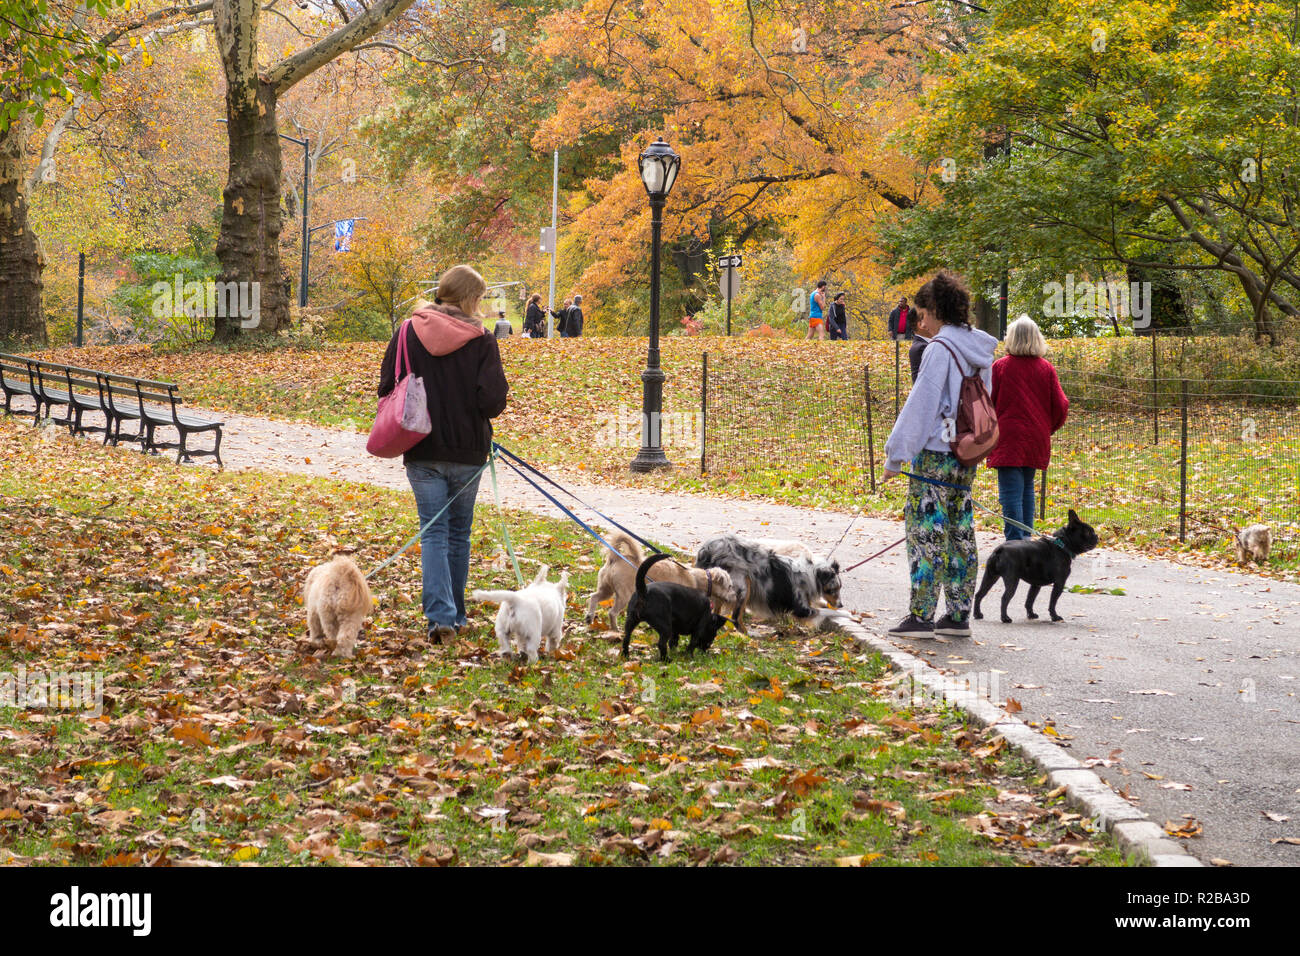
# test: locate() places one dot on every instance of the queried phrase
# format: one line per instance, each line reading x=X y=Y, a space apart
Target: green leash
x=505 y=532
x=416 y=537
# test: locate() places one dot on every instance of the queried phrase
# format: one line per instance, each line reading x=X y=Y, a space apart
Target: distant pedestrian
x=1031 y=406
x=562 y=317
x=817 y=313
x=573 y=324
x=839 y=319
x=503 y=328
x=902 y=321
x=919 y=341
x=939 y=515
x=535 y=318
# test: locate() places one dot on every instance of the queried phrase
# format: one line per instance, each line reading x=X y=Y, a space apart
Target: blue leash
x=515 y=458
x=975 y=502
x=553 y=500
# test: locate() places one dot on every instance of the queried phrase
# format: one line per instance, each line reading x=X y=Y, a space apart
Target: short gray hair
x=577 y=300
x=1024 y=337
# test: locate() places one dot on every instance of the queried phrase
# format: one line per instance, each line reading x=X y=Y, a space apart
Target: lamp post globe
x=658 y=165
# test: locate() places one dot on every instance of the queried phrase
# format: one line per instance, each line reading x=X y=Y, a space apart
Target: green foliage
x=49 y=55
x=1142 y=135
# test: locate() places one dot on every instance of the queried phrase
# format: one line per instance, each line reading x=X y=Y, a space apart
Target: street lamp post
x=658 y=166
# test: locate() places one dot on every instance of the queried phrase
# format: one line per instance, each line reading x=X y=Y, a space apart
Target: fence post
x=871 y=441
x=1182 y=480
x=704 y=412
x=1155 y=391
x=896 y=355
x=1042 y=498
x=81 y=294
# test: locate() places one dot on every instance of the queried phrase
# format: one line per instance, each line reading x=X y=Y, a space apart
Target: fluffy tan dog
x=337 y=601
x=617 y=580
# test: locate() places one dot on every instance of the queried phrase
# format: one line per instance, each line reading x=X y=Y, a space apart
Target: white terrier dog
x=525 y=616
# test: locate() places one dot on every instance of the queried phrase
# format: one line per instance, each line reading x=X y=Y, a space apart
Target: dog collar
x=1062 y=545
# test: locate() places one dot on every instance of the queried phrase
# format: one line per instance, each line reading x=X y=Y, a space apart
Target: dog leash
x=974 y=501
x=428 y=524
x=582 y=524
x=505 y=532
x=512 y=457
x=874 y=556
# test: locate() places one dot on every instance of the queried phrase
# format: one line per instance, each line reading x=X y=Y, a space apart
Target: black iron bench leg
x=181 y=452
x=217 y=451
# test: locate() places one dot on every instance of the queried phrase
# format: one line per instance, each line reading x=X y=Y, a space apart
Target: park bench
x=120 y=399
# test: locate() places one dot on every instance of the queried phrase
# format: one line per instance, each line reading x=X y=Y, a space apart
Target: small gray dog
x=1253 y=542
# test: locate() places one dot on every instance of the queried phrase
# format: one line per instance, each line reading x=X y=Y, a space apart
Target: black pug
x=672 y=610
x=1039 y=562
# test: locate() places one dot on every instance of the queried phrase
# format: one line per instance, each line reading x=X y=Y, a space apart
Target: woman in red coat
x=1030 y=406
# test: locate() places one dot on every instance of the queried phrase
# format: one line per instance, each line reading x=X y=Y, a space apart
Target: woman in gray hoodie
x=939 y=519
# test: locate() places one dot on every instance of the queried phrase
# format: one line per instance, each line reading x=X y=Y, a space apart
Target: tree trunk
x=21 y=261
x=249 y=246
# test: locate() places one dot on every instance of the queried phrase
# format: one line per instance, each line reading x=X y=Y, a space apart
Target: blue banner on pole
x=343 y=234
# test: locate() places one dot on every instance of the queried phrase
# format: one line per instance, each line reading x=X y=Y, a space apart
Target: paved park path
x=1184 y=689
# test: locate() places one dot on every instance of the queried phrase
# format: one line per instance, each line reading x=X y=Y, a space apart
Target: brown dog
x=337 y=600
x=617 y=580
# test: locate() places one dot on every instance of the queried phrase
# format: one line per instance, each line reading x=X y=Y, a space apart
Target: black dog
x=672 y=610
x=1038 y=561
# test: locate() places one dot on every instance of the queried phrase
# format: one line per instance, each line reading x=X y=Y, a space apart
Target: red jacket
x=1031 y=406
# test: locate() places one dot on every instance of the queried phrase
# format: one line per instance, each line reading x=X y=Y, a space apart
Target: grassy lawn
x=785 y=423
x=220 y=742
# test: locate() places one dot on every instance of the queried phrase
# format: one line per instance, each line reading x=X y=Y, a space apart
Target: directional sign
x=732 y=261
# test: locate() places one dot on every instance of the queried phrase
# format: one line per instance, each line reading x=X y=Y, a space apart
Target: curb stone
x=1137 y=836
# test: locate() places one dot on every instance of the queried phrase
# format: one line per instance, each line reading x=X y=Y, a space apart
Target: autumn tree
x=53 y=56
x=1152 y=139
x=249 y=244
x=780 y=110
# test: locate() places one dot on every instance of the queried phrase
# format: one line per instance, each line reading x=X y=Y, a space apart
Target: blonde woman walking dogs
x=939 y=516
x=449 y=348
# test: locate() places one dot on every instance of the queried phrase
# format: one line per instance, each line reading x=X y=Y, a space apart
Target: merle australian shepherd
x=771 y=584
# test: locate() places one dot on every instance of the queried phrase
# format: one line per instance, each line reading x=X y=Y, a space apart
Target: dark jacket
x=914 y=352
x=910 y=329
x=573 y=327
x=535 y=320
x=1031 y=406
x=561 y=320
x=466 y=385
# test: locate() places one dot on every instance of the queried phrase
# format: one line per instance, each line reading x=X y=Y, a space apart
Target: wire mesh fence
x=778 y=417
x=1156 y=459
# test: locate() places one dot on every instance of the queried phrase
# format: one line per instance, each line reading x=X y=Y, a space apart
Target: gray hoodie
x=936 y=392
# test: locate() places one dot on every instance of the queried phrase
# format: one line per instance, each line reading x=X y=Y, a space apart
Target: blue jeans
x=444 y=545
x=1016 y=492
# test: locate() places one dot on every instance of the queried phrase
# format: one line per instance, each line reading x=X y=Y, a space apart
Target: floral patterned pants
x=941 y=536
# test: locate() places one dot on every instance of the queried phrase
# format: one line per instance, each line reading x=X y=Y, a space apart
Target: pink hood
x=443 y=329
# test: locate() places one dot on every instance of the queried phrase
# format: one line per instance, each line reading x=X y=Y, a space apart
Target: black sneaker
x=950 y=627
x=913 y=626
